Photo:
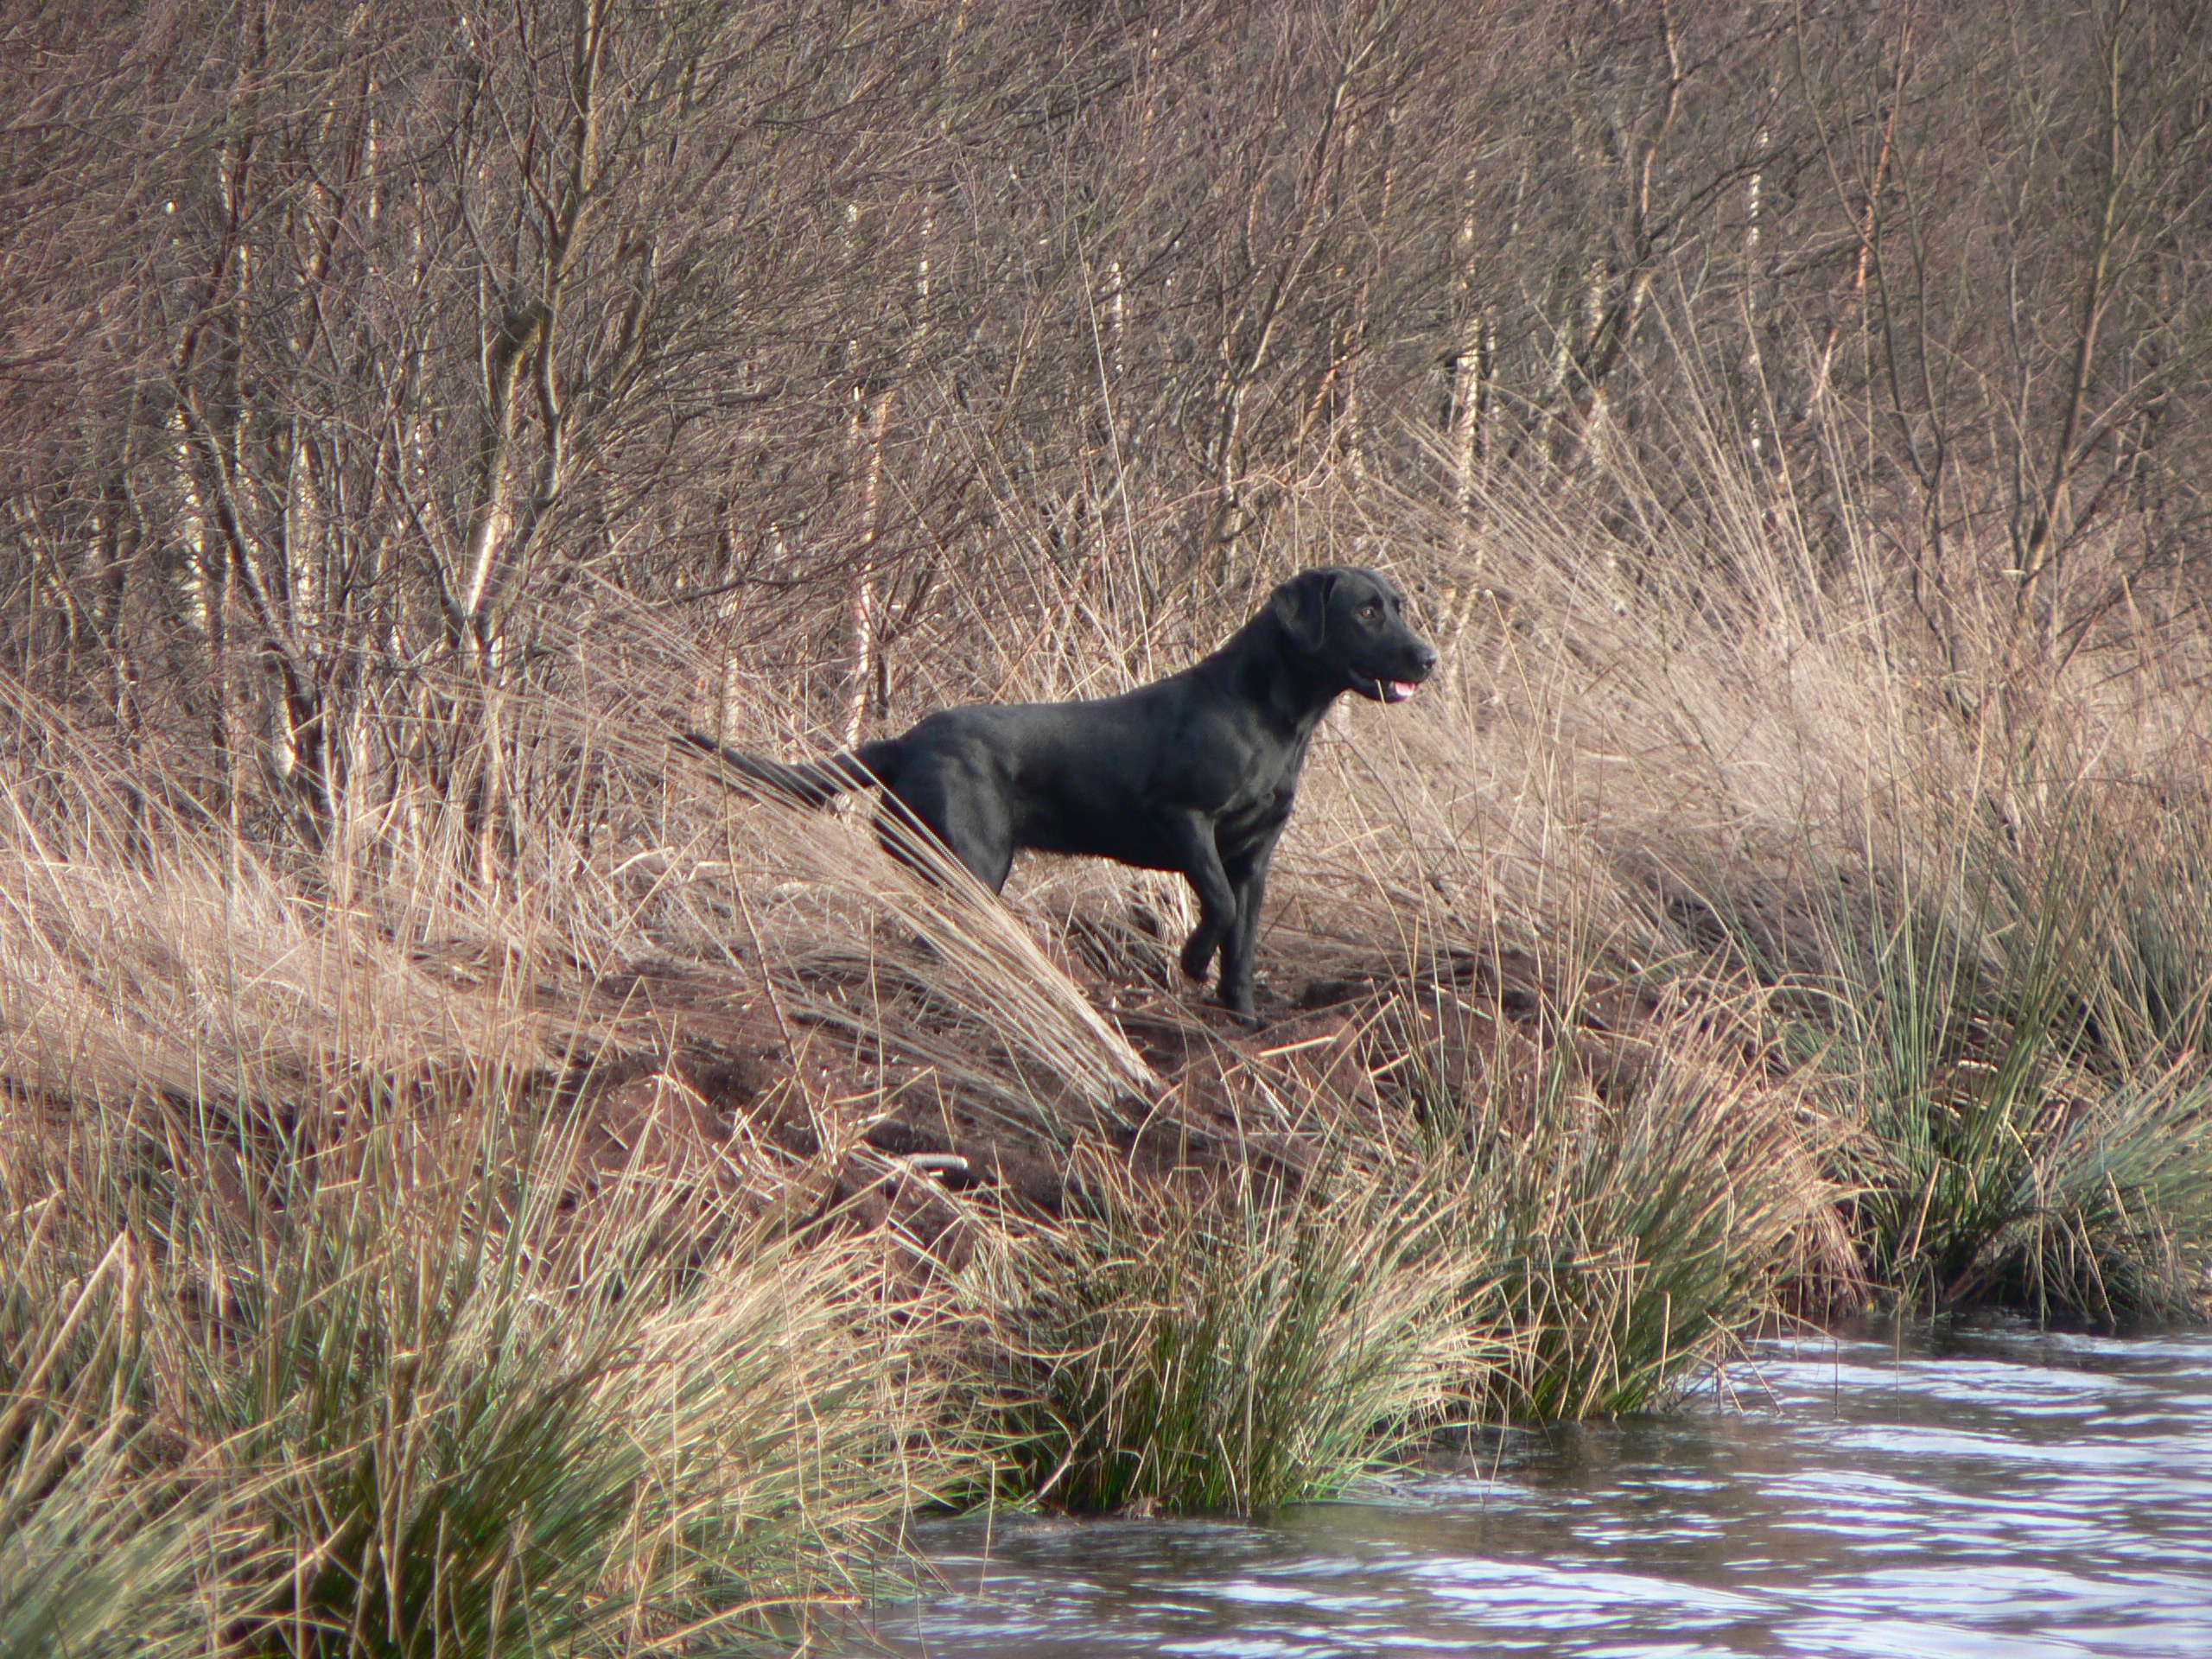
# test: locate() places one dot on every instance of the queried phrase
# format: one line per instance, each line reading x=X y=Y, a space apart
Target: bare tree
x=352 y=367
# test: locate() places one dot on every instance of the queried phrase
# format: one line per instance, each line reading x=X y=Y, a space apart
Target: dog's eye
x=1368 y=613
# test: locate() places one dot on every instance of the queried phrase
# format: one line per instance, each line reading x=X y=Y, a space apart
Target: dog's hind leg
x=963 y=822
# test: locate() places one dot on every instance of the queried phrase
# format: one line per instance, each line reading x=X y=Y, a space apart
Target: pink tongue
x=1396 y=690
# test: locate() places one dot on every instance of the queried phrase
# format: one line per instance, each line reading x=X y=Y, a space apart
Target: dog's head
x=1347 y=626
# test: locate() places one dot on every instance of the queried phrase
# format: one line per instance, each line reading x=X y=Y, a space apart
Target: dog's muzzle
x=1383 y=688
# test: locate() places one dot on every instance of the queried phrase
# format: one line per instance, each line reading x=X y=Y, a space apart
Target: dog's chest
x=1264 y=801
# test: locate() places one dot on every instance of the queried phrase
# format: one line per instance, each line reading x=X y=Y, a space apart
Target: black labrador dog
x=1195 y=772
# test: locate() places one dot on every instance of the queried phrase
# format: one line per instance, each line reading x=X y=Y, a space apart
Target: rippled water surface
x=2006 y=1494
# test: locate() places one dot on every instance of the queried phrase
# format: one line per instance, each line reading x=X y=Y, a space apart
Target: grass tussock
x=1232 y=1349
x=1645 y=1201
x=412 y=1396
x=2027 y=1039
x=327 y=1326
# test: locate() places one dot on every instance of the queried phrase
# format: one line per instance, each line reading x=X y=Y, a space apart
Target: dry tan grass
x=1648 y=964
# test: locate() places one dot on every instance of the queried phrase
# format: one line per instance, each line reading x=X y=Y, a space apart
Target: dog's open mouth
x=1382 y=690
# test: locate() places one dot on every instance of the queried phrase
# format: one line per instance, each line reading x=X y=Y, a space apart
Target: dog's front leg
x=1200 y=862
x=1247 y=879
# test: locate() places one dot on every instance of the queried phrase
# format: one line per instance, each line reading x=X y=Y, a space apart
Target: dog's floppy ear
x=1301 y=605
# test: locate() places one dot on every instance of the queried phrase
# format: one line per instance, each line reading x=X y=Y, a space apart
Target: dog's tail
x=815 y=785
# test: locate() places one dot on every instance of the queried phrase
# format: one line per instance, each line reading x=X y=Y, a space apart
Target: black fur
x=1195 y=772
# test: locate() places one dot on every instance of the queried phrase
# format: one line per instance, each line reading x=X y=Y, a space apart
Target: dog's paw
x=1237 y=999
x=1198 y=954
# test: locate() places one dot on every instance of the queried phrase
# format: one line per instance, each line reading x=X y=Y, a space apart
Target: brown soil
x=709 y=1076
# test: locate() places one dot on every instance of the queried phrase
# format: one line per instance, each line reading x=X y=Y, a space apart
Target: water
x=2014 y=1494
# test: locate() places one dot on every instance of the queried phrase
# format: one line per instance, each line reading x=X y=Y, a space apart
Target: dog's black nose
x=1425 y=657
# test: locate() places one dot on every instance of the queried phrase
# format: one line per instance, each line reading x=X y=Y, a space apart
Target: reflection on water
x=2009 y=1494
